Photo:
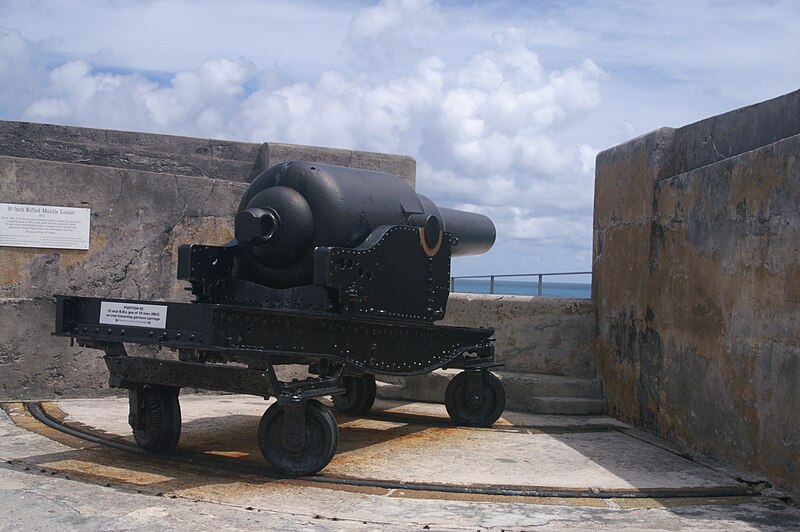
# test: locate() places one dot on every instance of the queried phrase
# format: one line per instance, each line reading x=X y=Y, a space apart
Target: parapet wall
x=550 y=336
x=216 y=159
x=696 y=280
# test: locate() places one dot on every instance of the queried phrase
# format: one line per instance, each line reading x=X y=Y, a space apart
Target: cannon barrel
x=475 y=232
x=292 y=208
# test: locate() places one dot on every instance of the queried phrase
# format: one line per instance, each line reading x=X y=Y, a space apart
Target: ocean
x=524 y=288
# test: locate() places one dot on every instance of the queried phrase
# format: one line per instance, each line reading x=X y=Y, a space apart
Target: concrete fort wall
x=697 y=285
x=550 y=336
x=545 y=346
x=147 y=194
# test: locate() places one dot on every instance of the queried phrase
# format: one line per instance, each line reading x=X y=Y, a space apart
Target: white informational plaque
x=44 y=226
x=133 y=314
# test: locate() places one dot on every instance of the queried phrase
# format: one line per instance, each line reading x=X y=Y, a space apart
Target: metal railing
x=493 y=277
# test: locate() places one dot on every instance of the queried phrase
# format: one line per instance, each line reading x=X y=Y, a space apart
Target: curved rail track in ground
x=333 y=482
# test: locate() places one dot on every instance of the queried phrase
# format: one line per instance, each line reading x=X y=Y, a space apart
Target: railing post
x=452 y=284
x=539 y=290
x=491 y=284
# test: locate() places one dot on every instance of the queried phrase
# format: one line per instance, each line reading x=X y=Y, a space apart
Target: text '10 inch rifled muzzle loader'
x=339 y=269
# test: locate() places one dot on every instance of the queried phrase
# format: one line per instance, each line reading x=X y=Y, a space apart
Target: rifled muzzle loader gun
x=342 y=270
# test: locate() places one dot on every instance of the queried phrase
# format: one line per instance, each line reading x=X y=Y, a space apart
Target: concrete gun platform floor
x=401 y=467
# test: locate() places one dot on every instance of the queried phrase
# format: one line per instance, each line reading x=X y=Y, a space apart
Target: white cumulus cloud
x=484 y=128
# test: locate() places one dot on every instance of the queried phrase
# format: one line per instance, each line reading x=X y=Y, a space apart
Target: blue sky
x=504 y=104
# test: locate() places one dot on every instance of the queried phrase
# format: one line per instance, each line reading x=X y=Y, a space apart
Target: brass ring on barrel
x=431 y=236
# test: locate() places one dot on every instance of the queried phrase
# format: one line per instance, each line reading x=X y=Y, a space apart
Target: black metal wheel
x=473 y=410
x=360 y=395
x=293 y=456
x=158 y=420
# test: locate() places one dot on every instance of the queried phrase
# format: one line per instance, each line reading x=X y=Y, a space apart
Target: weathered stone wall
x=233 y=161
x=147 y=194
x=533 y=334
x=218 y=159
x=546 y=346
x=697 y=285
x=138 y=220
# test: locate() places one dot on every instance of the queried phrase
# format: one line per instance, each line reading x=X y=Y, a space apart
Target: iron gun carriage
x=341 y=270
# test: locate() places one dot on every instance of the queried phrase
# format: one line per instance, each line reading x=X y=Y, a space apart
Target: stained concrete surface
x=396 y=449
x=69 y=484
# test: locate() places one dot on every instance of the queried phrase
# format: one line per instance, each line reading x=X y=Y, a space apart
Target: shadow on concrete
x=237 y=435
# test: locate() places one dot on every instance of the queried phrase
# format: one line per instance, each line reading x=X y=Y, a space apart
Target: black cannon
x=338 y=269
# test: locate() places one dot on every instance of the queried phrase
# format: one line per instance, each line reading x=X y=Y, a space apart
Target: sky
x=504 y=104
